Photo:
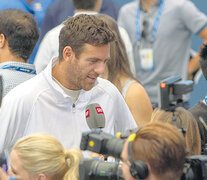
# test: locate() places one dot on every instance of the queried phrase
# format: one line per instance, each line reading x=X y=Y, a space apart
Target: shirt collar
x=84 y=95
x=86 y=12
x=16 y=63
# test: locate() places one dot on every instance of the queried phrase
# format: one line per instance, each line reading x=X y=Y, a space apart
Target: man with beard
x=55 y=100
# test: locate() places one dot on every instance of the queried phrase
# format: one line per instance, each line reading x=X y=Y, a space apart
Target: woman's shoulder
x=131 y=86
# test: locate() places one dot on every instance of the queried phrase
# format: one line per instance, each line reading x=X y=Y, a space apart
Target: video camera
x=170 y=92
x=98 y=141
x=103 y=143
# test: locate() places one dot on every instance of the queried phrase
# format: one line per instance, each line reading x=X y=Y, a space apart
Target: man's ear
x=150 y=175
x=68 y=53
x=41 y=177
x=2 y=40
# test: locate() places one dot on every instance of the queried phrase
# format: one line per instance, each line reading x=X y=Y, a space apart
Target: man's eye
x=93 y=61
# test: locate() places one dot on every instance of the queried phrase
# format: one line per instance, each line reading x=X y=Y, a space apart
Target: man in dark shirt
x=200 y=109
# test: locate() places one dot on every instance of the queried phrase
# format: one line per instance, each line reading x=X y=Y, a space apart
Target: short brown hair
x=20 y=30
x=162 y=146
x=82 y=29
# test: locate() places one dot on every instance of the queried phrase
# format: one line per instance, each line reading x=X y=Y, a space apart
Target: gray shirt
x=171 y=48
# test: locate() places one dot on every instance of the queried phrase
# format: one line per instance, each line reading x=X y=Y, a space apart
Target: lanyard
x=21 y=69
x=157 y=20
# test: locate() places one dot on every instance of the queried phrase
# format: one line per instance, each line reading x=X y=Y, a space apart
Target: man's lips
x=92 y=79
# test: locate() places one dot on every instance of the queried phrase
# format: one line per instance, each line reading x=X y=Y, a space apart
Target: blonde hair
x=183 y=119
x=42 y=153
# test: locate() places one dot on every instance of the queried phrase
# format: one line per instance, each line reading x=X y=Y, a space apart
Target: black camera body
x=195 y=168
x=103 y=143
x=170 y=92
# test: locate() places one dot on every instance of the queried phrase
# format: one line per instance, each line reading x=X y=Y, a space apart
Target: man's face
x=84 y=69
x=126 y=163
x=17 y=169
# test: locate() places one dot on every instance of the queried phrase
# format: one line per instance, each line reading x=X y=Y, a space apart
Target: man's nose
x=100 y=68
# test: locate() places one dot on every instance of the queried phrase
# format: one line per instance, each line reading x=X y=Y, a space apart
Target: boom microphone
x=95 y=116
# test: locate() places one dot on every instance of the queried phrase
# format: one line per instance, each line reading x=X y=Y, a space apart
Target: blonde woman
x=42 y=157
x=183 y=119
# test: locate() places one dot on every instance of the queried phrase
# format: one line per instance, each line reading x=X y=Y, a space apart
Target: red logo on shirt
x=87 y=113
x=99 y=110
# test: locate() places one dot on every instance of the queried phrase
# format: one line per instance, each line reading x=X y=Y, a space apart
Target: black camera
x=103 y=143
x=93 y=169
x=195 y=168
x=170 y=92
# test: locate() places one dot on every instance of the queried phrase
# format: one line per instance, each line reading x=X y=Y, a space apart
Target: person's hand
x=125 y=165
x=3 y=175
x=100 y=156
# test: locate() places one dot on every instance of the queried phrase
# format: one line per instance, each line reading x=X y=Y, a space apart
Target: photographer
x=161 y=146
x=199 y=111
x=42 y=157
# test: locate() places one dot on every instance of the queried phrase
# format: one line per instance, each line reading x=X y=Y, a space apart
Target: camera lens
x=94 y=169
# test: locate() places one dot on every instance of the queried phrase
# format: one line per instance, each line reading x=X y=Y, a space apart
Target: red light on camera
x=163 y=85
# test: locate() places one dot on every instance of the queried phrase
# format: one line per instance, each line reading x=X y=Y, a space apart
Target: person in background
x=161 y=33
x=42 y=156
x=60 y=10
x=118 y=72
x=158 y=151
x=55 y=100
x=18 y=36
x=199 y=111
x=185 y=121
x=36 y=7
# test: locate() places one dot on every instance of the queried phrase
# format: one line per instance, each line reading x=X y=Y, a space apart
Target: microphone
x=95 y=116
